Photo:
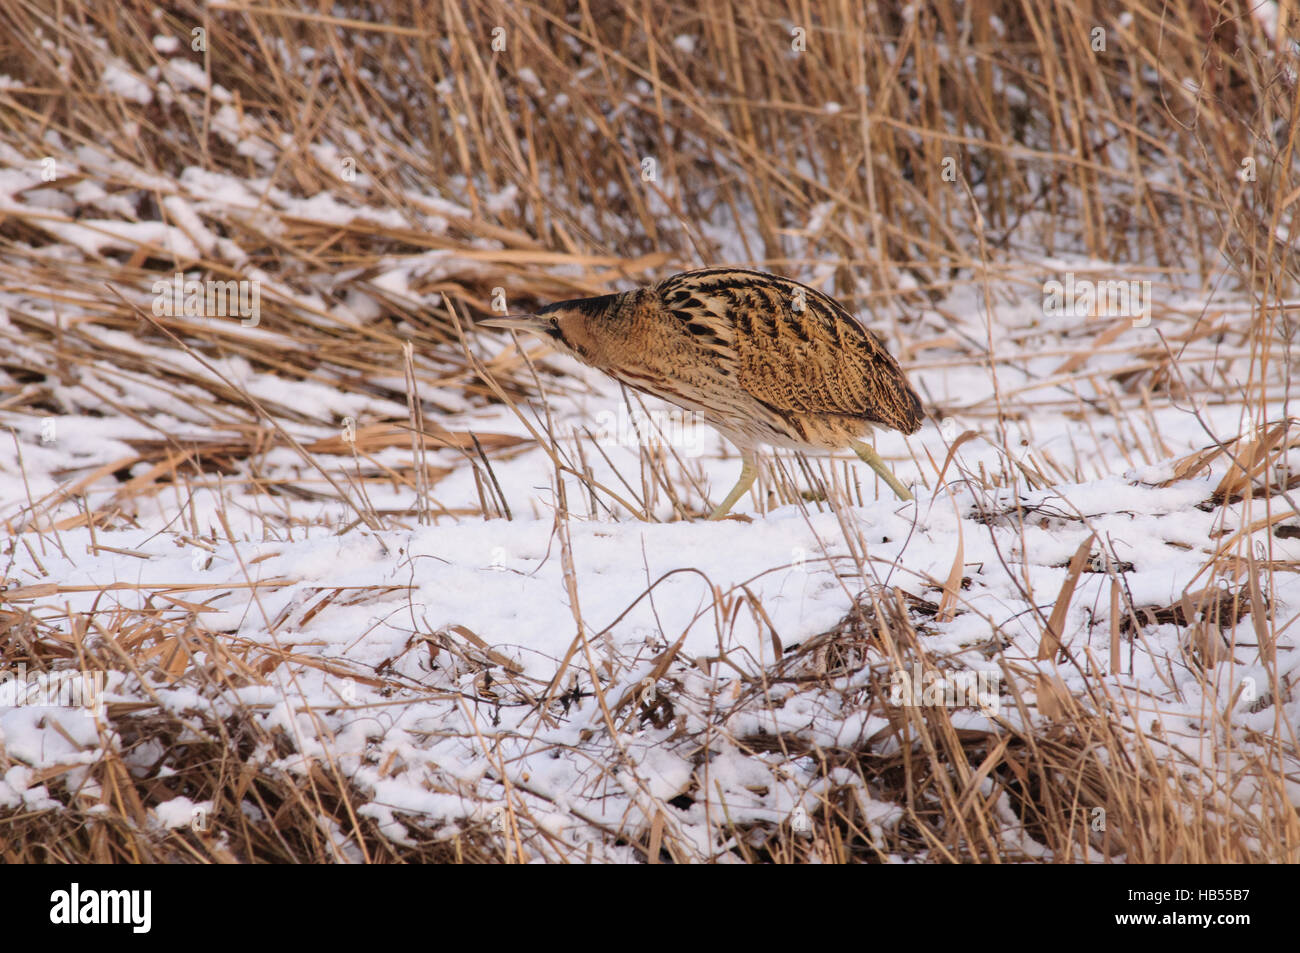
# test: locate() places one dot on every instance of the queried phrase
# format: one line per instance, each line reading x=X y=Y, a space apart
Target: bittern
x=764 y=359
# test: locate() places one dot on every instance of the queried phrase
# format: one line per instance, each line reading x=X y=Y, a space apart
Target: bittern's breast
x=693 y=364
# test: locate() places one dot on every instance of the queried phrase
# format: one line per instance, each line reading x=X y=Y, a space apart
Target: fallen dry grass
x=829 y=162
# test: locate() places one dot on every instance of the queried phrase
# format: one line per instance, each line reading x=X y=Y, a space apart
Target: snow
x=504 y=582
x=181 y=812
x=183 y=74
x=418 y=651
x=118 y=80
x=95 y=236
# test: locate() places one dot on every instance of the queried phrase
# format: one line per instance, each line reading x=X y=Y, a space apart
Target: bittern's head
x=587 y=328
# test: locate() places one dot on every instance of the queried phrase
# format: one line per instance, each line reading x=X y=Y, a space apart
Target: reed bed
x=387 y=172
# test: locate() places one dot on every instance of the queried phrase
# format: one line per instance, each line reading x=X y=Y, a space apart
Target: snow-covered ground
x=435 y=664
x=231 y=525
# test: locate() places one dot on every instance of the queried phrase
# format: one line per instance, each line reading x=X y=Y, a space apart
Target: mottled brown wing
x=793 y=347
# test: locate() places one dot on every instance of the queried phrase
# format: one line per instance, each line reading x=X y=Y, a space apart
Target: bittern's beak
x=538 y=324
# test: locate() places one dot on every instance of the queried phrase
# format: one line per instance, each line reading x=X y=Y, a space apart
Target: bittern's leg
x=872 y=459
x=748 y=473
